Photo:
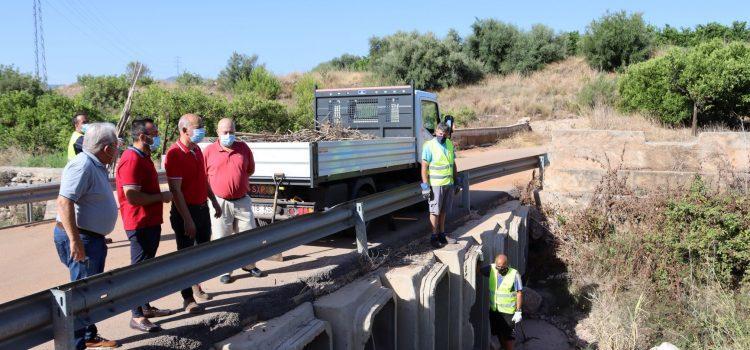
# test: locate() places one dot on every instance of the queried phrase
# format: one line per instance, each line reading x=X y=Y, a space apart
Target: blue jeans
x=96 y=253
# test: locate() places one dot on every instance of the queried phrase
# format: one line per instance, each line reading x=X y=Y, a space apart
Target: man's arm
x=214 y=202
x=425 y=165
x=181 y=205
x=66 y=209
x=519 y=299
x=135 y=197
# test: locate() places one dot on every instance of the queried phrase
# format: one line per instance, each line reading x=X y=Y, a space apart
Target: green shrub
x=104 y=92
x=189 y=79
x=13 y=80
x=239 y=67
x=464 y=116
x=261 y=82
x=572 y=43
x=253 y=113
x=49 y=160
x=534 y=49
x=602 y=91
x=713 y=76
x=144 y=78
x=303 y=94
x=159 y=103
x=492 y=42
x=428 y=61
x=346 y=62
x=738 y=31
x=617 y=40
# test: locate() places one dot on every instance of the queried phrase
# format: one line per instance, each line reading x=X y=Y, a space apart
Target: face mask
x=84 y=127
x=198 y=135
x=440 y=139
x=503 y=270
x=155 y=143
x=227 y=140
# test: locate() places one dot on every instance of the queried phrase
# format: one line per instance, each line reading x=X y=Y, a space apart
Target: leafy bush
x=617 y=40
x=492 y=42
x=738 y=31
x=261 y=82
x=252 y=113
x=239 y=67
x=303 y=94
x=159 y=103
x=534 y=49
x=144 y=78
x=13 y=80
x=346 y=62
x=188 y=79
x=428 y=61
x=464 y=116
x=38 y=124
x=713 y=76
x=104 y=92
x=602 y=91
x=572 y=43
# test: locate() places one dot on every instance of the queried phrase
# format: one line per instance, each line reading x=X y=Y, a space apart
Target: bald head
x=501 y=261
x=225 y=127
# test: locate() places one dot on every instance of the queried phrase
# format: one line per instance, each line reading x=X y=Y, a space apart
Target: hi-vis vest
x=441 y=166
x=502 y=297
x=71 y=149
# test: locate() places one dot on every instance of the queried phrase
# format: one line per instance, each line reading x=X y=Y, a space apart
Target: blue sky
x=100 y=37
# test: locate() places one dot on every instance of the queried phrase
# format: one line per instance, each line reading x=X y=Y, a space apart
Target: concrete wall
x=580 y=158
x=466 y=138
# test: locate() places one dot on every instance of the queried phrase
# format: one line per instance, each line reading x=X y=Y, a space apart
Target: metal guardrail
x=55 y=313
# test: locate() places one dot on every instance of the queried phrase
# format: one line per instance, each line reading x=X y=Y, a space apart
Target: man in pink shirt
x=229 y=165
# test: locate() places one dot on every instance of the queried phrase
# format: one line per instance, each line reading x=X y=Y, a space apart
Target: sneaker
x=226 y=279
x=435 y=242
x=199 y=293
x=445 y=239
x=144 y=326
x=255 y=272
x=97 y=342
x=150 y=312
x=192 y=307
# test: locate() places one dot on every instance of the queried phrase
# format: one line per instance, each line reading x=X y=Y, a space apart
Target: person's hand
x=517 y=317
x=77 y=252
x=456 y=189
x=425 y=189
x=189 y=228
x=166 y=197
x=217 y=209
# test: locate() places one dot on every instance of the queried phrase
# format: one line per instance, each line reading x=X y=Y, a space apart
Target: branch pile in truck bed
x=326 y=132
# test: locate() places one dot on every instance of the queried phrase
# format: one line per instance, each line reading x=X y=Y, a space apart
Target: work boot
x=445 y=239
x=199 y=293
x=255 y=272
x=435 y=242
x=150 y=311
x=144 y=325
x=97 y=342
x=226 y=278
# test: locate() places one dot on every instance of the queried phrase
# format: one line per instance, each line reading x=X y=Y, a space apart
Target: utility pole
x=39 y=50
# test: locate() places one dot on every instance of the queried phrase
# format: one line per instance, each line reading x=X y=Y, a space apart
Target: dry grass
x=547 y=94
x=524 y=139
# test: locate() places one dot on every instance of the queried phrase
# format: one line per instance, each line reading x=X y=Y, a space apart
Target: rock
x=531 y=300
x=665 y=346
x=539 y=335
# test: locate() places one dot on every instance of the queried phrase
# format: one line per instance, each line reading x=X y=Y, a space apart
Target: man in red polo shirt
x=189 y=215
x=229 y=164
x=141 y=207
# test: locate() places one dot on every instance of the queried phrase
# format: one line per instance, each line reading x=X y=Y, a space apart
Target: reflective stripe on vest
x=502 y=297
x=440 y=170
x=71 y=150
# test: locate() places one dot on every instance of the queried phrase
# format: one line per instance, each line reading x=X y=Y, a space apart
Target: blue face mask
x=198 y=135
x=227 y=140
x=155 y=143
x=84 y=127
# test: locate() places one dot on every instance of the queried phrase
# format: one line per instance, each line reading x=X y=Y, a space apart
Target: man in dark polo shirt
x=189 y=216
x=141 y=201
x=229 y=165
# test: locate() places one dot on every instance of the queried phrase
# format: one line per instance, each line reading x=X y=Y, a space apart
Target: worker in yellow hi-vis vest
x=438 y=181
x=80 y=122
x=505 y=299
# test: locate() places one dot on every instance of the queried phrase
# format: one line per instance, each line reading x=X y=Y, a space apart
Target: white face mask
x=227 y=140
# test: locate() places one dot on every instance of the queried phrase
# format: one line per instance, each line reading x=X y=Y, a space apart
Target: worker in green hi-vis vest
x=80 y=122
x=438 y=182
x=505 y=299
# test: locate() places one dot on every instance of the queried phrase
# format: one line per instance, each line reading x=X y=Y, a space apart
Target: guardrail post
x=465 y=198
x=542 y=162
x=63 y=320
x=360 y=226
x=29 y=213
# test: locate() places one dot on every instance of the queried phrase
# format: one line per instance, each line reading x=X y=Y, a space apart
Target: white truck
x=296 y=178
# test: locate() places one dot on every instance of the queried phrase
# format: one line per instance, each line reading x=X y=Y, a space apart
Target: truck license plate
x=262 y=210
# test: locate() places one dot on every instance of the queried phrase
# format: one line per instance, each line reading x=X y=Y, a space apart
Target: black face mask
x=441 y=139
x=503 y=270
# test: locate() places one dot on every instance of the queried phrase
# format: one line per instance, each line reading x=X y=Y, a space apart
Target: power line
x=88 y=22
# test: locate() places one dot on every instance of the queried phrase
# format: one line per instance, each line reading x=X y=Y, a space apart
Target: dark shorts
x=441 y=199
x=502 y=325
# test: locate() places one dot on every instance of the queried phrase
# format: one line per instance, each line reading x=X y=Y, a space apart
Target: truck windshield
x=429 y=115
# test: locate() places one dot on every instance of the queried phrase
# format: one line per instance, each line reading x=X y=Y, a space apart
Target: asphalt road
x=30 y=263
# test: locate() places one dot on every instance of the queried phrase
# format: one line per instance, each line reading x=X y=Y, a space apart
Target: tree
x=617 y=40
x=492 y=42
x=239 y=67
x=144 y=78
x=261 y=81
x=13 y=80
x=104 y=92
x=709 y=82
x=188 y=79
x=534 y=49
